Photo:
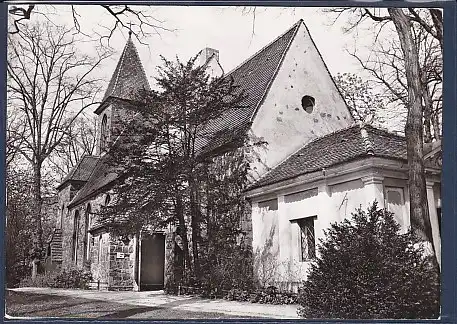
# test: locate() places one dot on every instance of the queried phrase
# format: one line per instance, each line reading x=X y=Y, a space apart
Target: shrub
x=269 y=295
x=366 y=269
x=41 y=280
x=226 y=269
x=72 y=278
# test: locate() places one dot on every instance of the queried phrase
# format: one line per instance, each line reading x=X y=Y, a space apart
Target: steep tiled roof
x=128 y=76
x=340 y=146
x=82 y=170
x=101 y=176
x=254 y=77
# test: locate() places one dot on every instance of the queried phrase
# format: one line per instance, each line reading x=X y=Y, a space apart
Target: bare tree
x=81 y=140
x=386 y=65
x=139 y=20
x=409 y=66
x=15 y=131
x=50 y=84
x=364 y=102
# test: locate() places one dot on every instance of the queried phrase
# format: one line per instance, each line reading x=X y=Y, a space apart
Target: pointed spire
x=130 y=31
x=129 y=75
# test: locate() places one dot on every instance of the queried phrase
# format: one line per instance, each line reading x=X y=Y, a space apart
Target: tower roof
x=129 y=75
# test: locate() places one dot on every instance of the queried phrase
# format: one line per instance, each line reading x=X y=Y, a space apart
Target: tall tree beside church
x=414 y=127
x=50 y=83
x=159 y=157
x=420 y=73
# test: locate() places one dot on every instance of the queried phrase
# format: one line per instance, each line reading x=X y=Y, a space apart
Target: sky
x=227 y=29
x=234 y=31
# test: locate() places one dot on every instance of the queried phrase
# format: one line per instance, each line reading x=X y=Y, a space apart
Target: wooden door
x=152 y=262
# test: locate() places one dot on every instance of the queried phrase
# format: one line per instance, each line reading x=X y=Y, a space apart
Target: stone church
x=317 y=167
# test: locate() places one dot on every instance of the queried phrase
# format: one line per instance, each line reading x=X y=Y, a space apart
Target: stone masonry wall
x=121 y=265
x=67 y=226
x=99 y=260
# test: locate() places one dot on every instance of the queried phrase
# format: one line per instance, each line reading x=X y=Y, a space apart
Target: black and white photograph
x=223 y=162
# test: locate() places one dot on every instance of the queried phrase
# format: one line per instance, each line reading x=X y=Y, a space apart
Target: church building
x=317 y=167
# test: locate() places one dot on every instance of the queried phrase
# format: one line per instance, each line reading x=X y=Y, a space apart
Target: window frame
x=104 y=133
x=75 y=242
x=306 y=231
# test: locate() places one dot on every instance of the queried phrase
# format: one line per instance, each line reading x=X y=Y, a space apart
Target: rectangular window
x=307 y=238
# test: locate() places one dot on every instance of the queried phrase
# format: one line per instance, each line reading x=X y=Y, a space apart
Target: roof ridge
x=366 y=139
x=117 y=72
x=384 y=130
x=71 y=173
x=72 y=202
x=263 y=48
x=328 y=71
x=273 y=77
x=141 y=64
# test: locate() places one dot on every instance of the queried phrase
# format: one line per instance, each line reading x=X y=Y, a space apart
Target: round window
x=307 y=103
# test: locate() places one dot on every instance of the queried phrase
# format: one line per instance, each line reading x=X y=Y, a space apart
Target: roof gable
x=254 y=76
x=82 y=170
x=101 y=176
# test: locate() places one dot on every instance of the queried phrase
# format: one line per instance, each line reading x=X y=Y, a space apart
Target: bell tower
x=128 y=78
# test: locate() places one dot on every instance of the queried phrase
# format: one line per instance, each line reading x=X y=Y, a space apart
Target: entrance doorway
x=152 y=262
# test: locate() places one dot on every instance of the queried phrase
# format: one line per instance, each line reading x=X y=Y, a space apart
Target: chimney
x=206 y=53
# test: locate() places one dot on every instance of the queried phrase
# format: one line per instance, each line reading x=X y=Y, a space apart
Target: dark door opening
x=152 y=265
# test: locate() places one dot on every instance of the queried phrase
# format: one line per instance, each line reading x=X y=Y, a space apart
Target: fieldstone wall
x=169 y=258
x=100 y=260
x=121 y=264
x=67 y=227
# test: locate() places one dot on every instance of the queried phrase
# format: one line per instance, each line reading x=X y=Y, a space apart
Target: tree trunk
x=436 y=125
x=195 y=226
x=428 y=106
x=437 y=18
x=420 y=221
x=37 y=238
x=183 y=230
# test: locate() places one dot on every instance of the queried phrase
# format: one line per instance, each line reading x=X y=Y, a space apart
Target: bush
x=41 y=280
x=366 y=269
x=226 y=269
x=73 y=278
x=269 y=295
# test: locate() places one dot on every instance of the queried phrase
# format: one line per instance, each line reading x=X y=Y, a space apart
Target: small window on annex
x=307 y=238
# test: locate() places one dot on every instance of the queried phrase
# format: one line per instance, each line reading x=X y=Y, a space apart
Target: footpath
x=186 y=303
